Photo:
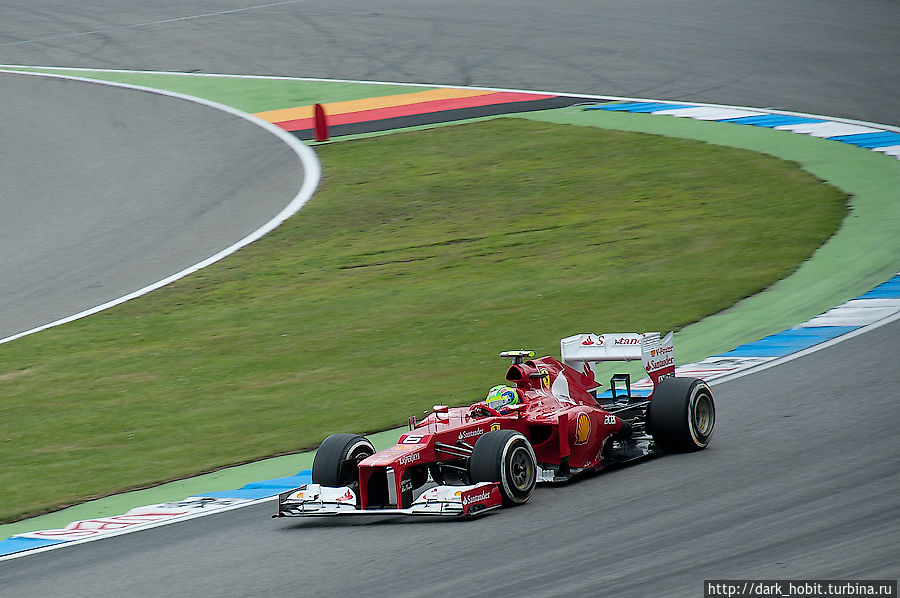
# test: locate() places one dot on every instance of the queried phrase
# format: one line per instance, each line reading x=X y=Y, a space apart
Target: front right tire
x=337 y=461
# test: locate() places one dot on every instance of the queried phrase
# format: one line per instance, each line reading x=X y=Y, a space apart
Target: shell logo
x=582 y=428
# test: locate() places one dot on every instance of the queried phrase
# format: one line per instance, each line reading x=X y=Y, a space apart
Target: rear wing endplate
x=657 y=354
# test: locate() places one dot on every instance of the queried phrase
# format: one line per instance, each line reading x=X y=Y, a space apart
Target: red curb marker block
x=321 y=123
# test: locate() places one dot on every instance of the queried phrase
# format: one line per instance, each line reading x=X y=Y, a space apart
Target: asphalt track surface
x=800 y=481
x=101 y=197
x=801 y=478
x=830 y=57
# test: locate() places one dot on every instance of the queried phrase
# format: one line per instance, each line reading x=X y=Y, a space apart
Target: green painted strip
x=248 y=94
x=225 y=479
x=864 y=252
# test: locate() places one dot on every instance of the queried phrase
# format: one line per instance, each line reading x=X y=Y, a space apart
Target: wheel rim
x=521 y=469
x=704 y=415
x=350 y=468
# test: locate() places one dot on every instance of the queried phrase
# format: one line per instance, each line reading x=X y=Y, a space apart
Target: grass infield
x=421 y=257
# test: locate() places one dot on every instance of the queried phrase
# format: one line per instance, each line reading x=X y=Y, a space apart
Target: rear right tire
x=681 y=415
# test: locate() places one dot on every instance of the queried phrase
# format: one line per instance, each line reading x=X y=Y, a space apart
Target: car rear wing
x=657 y=354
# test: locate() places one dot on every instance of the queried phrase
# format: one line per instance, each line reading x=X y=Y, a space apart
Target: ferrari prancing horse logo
x=545 y=379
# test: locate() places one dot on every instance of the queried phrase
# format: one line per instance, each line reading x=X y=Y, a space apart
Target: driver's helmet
x=501 y=396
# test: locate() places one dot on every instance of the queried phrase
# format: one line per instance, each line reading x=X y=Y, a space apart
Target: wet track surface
x=801 y=478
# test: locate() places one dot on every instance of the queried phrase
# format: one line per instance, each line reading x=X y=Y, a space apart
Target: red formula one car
x=550 y=423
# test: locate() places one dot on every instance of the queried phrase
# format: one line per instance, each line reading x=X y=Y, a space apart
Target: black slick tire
x=505 y=456
x=681 y=415
x=337 y=461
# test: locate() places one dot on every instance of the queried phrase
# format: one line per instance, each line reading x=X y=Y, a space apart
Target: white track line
x=312 y=173
x=281 y=133
x=129 y=530
x=592 y=97
x=802 y=353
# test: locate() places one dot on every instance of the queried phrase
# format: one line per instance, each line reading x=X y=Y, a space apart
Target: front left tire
x=505 y=456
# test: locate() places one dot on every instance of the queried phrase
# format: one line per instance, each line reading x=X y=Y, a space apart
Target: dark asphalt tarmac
x=830 y=57
x=801 y=479
x=101 y=197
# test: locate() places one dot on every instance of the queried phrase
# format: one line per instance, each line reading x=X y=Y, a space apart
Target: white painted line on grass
x=827 y=129
x=707 y=113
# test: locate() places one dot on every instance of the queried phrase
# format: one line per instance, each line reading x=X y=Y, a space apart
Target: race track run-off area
x=876 y=307
x=800 y=481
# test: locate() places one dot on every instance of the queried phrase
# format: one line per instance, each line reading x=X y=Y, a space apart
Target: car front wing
x=314 y=500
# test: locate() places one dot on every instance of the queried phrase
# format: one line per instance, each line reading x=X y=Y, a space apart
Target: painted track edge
x=443 y=86
x=713 y=380
x=309 y=161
